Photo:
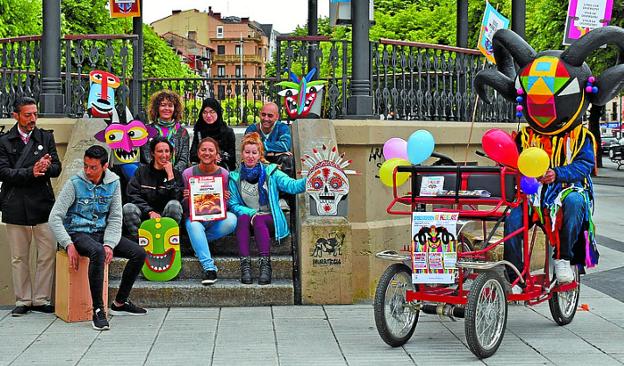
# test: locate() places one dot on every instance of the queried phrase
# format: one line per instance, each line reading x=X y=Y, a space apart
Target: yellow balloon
x=533 y=162
x=387 y=169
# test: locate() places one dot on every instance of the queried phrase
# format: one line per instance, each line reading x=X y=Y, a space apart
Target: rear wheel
x=394 y=318
x=563 y=304
x=486 y=314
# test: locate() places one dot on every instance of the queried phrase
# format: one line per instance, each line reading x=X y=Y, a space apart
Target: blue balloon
x=529 y=185
x=420 y=146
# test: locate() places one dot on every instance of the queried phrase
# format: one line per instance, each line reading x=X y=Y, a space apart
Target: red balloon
x=500 y=147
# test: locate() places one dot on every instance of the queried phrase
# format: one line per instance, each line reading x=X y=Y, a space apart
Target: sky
x=285 y=15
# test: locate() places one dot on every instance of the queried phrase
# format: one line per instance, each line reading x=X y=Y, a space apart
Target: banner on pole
x=492 y=21
x=125 y=8
x=585 y=15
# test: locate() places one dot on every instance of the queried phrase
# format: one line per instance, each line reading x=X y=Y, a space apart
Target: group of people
x=98 y=212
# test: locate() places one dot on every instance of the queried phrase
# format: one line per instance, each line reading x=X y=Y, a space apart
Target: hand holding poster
x=434 y=247
x=492 y=21
x=206 y=199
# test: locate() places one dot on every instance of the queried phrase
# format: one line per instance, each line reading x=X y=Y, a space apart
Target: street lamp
x=241 y=76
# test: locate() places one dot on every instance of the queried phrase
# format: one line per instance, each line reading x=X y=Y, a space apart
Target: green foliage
x=20 y=18
x=231 y=111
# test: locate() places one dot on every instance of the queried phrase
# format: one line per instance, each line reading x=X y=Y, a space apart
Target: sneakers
x=563 y=271
x=209 y=278
x=99 y=320
x=48 y=309
x=127 y=308
x=20 y=310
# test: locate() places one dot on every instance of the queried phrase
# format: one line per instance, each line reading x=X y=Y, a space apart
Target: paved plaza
x=340 y=335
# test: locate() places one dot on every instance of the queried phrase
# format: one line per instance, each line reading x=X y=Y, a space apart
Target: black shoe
x=127 y=308
x=48 y=309
x=209 y=278
x=245 y=265
x=20 y=310
x=99 y=320
x=265 y=271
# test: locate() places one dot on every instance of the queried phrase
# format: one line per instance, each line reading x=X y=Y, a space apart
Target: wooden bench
x=73 y=295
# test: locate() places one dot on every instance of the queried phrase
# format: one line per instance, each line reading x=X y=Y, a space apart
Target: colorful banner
x=125 y=8
x=585 y=15
x=434 y=247
x=492 y=21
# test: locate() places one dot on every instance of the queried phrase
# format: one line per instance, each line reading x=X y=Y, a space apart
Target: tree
x=19 y=18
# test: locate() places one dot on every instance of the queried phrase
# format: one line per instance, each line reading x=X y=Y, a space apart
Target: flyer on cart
x=206 y=202
x=434 y=247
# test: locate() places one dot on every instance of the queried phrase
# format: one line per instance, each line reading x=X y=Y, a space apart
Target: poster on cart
x=206 y=198
x=434 y=247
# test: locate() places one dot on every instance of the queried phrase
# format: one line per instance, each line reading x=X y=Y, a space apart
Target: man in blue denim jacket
x=86 y=221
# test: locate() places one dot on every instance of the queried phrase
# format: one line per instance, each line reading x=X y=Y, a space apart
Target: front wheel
x=563 y=304
x=486 y=314
x=394 y=318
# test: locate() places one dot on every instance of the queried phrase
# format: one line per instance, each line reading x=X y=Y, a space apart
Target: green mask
x=161 y=240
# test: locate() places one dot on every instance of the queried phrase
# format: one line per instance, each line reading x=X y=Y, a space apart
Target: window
x=237 y=72
x=259 y=74
x=221 y=92
x=237 y=50
x=219 y=31
x=221 y=50
x=221 y=70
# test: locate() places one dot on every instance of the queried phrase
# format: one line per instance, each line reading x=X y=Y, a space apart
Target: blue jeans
x=574 y=208
x=202 y=232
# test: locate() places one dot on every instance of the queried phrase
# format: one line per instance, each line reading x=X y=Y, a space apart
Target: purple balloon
x=529 y=185
x=395 y=148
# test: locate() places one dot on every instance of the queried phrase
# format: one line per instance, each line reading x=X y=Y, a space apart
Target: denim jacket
x=84 y=207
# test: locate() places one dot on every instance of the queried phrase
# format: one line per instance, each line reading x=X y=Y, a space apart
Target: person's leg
x=44 y=275
x=198 y=232
x=512 y=250
x=18 y=238
x=136 y=257
x=132 y=219
x=262 y=232
x=574 y=209
x=243 y=237
x=218 y=229
x=173 y=209
x=90 y=245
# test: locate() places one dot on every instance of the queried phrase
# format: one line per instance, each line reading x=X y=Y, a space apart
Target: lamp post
x=241 y=77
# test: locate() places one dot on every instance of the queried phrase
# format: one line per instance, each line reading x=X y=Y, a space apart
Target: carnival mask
x=300 y=94
x=102 y=87
x=161 y=240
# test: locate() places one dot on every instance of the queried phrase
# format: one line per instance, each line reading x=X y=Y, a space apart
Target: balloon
x=420 y=146
x=387 y=169
x=529 y=185
x=500 y=147
x=533 y=162
x=395 y=148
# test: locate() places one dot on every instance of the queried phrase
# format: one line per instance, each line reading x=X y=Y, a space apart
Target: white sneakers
x=563 y=271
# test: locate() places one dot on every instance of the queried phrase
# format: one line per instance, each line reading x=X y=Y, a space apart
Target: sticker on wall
x=327 y=183
x=328 y=251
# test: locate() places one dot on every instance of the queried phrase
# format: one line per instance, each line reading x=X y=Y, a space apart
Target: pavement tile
x=304 y=311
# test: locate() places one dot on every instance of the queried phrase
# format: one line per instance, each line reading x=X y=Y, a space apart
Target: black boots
x=245 y=265
x=265 y=271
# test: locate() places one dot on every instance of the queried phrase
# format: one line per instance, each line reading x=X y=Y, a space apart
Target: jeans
x=574 y=208
x=202 y=232
x=90 y=245
x=132 y=215
x=262 y=226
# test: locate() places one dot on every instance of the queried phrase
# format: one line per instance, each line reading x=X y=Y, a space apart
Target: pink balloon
x=395 y=148
x=500 y=147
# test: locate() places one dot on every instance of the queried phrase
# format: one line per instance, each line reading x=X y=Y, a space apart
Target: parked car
x=607 y=142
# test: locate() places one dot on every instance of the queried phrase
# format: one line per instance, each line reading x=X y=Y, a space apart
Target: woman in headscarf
x=210 y=124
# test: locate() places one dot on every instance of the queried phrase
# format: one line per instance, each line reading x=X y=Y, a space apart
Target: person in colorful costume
x=553 y=90
x=165 y=112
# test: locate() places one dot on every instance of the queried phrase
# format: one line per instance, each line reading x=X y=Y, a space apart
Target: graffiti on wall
x=328 y=251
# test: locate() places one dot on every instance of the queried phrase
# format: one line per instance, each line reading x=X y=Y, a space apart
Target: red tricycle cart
x=460 y=281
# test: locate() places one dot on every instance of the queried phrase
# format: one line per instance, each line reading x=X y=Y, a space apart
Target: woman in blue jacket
x=254 y=198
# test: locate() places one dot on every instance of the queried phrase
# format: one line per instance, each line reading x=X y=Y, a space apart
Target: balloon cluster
x=532 y=162
x=418 y=148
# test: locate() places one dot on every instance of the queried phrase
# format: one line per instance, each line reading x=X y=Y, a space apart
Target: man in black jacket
x=28 y=160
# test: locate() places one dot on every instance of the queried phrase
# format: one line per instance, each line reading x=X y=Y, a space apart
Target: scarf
x=168 y=129
x=256 y=175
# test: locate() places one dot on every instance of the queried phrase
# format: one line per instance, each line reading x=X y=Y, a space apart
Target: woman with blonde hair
x=165 y=114
x=254 y=198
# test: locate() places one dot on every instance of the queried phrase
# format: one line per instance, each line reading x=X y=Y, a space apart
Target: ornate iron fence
x=20 y=68
x=420 y=81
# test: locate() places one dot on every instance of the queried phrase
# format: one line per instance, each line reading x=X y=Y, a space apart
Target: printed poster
x=125 y=8
x=431 y=185
x=585 y=15
x=492 y=21
x=434 y=247
x=206 y=199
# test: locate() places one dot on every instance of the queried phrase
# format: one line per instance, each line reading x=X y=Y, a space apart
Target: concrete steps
x=228 y=246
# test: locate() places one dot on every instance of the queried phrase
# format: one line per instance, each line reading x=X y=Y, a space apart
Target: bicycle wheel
x=563 y=304
x=394 y=319
x=486 y=314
